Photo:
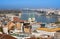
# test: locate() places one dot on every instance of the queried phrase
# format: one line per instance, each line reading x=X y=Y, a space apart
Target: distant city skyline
x=17 y=4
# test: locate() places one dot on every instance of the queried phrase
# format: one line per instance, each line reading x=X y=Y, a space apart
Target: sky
x=17 y=4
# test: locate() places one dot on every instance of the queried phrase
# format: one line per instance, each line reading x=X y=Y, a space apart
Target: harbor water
x=39 y=17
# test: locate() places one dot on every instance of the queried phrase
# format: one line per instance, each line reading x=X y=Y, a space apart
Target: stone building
x=57 y=35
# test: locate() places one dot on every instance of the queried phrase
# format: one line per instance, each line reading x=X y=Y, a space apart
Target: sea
x=39 y=17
